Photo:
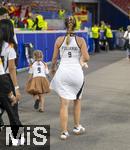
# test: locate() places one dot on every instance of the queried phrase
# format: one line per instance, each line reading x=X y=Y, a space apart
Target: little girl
x=38 y=84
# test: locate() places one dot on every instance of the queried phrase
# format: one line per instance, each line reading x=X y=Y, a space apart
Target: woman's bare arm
x=56 y=53
x=84 y=49
x=12 y=71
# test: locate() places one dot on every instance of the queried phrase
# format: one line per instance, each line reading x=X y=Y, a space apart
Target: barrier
x=43 y=40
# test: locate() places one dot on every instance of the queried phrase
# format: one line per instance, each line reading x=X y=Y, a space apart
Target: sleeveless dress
x=68 y=80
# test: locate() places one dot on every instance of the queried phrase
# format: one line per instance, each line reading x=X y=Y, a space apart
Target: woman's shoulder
x=79 y=40
x=60 y=38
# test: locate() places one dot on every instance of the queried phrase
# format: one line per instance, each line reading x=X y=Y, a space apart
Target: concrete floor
x=105 y=107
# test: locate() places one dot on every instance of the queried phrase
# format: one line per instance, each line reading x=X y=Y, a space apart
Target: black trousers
x=12 y=111
x=96 y=42
x=110 y=43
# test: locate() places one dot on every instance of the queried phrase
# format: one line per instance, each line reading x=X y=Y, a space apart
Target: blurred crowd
x=22 y=17
x=102 y=36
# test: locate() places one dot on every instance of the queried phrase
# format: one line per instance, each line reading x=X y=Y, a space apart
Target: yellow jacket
x=30 y=23
x=40 y=21
x=95 y=32
x=61 y=13
x=78 y=24
x=109 y=33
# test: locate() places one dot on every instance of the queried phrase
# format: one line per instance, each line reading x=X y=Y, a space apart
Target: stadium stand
x=122 y=4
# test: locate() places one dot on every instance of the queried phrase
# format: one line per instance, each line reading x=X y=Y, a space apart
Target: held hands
x=52 y=72
x=12 y=99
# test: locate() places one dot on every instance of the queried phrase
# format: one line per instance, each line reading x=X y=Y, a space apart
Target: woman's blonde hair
x=38 y=55
x=70 y=24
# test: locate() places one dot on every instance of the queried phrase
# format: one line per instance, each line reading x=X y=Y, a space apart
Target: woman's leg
x=78 y=128
x=64 y=114
x=1 y=120
x=77 y=111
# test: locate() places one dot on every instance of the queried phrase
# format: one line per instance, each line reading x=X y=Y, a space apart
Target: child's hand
x=52 y=72
x=13 y=101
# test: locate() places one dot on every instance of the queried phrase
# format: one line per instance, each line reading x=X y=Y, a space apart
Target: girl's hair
x=7 y=33
x=70 y=24
x=38 y=55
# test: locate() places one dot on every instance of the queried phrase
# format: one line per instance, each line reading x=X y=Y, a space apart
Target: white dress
x=68 y=80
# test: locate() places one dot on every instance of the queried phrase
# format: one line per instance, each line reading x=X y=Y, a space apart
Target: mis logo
x=31 y=136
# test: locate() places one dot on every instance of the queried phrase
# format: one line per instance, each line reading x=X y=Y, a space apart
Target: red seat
x=123 y=4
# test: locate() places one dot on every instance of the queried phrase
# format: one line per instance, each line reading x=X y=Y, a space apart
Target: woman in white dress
x=68 y=80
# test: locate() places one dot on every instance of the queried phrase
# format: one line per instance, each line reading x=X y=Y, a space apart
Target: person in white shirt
x=8 y=56
x=38 y=84
x=68 y=80
x=4 y=14
x=127 y=42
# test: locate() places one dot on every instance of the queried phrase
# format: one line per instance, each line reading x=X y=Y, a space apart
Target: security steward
x=40 y=23
x=109 y=36
x=30 y=23
x=95 y=36
x=78 y=23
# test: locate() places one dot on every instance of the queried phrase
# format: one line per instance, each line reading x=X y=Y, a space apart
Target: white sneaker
x=15 y=142
x=64 y=135
x=21 y=141
x=79 y=130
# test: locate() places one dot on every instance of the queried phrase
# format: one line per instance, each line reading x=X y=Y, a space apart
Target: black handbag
x=5 y=85
x=127 y=45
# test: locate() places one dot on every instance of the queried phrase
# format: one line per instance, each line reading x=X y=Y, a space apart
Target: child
x=38 y=84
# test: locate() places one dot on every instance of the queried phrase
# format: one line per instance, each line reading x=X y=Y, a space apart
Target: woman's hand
x=18 y=95
x=82 y=63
